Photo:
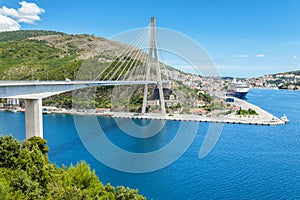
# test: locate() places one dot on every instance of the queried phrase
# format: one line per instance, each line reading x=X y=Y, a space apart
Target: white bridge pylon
x=153 y=61
x=139 y=61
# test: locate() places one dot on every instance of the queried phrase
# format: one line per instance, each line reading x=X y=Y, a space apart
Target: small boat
x=13 y=110
x=284 y=119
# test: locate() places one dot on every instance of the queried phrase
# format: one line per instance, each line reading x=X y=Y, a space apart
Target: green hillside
x=42 y=55
x=20 y=35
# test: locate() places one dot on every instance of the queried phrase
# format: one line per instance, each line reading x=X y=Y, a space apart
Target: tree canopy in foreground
x=25 y=173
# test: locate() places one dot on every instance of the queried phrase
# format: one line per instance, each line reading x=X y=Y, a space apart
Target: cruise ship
x=238 y=89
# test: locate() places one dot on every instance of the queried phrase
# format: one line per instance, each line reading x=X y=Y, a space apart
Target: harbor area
x=261 y=117
x=243 y=113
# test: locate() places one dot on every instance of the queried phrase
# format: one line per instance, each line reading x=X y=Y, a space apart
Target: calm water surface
x=248 y=162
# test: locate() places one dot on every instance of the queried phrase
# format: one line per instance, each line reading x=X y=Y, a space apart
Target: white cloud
x=8 y=12
x=260 y=55
x=29 y=12
x=8 y=24
x=10 y=17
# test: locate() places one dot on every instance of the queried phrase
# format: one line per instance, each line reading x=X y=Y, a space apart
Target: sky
x=244 y=38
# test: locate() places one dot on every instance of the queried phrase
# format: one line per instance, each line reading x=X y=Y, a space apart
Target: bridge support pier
x=33 y=118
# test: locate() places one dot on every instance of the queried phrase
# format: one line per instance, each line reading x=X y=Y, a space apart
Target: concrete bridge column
x=33 y=118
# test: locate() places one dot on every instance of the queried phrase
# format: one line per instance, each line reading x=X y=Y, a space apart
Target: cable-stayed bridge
x=138 y=64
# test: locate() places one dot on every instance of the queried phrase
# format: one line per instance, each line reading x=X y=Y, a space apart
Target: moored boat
x=238 y=89
x=284 y=119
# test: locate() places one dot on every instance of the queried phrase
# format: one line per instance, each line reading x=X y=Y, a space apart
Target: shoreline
x=270 y=88
x=263 y=117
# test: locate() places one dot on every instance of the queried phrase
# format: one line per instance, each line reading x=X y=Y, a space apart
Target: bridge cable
x=163 y=62
x=128 y=54
x=124 y=50
x=134 y=65
x=138 y=52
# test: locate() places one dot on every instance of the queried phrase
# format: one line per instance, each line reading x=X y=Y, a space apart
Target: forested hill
x=19 y=35
x=42 y=55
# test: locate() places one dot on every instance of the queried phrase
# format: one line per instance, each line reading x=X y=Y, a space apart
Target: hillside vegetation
x=49 y=55
x=20 y=35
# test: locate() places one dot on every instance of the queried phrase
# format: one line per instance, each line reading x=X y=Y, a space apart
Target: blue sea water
x=248 y=161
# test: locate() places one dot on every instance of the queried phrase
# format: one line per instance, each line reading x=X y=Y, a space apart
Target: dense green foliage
x=20 y=60
x=37 y=141
x=23 y=56
x=246 y=112
x=25 y=173
x=205 y=97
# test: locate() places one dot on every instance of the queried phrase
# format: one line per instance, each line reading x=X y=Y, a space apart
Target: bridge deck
x=43 y=89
